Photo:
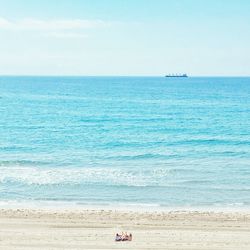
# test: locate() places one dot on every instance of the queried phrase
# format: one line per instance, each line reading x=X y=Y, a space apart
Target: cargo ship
x=176 y=75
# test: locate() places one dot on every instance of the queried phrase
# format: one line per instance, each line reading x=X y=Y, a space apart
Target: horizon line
x=68 y=75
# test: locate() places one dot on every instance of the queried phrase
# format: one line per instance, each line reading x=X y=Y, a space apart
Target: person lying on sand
x=124 y=235
x=130 y=237
x=118 y=237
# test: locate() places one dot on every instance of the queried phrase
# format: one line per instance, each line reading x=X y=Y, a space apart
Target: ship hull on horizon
x=183 y=75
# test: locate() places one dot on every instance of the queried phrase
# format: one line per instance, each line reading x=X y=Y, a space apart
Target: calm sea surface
x=180 y=142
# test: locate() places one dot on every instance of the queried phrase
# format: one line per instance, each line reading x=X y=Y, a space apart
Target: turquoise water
x=182 y=142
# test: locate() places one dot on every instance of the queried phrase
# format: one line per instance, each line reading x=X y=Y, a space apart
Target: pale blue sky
x=124 y=37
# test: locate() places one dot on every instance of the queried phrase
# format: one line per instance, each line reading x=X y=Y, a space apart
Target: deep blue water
x=129 y=140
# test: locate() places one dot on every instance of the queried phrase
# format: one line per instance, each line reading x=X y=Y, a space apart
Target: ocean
x=125 y=141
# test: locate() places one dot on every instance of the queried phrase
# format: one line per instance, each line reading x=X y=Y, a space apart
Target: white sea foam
x=72 y=176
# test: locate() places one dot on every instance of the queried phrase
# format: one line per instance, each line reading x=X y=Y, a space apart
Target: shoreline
x=123 y=207
x=95 y=229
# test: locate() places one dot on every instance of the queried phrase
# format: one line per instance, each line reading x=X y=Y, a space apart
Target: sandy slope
x=92 y=229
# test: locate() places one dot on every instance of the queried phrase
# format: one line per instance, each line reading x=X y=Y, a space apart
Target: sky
x=125 y=37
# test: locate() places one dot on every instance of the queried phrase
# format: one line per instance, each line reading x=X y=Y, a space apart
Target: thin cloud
x=69 y=35
x=50 y=25
x=4 y=23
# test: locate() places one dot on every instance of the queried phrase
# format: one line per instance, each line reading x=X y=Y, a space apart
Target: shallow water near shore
x=147 y=141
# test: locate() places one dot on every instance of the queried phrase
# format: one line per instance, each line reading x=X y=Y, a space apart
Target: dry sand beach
x=95 y=229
